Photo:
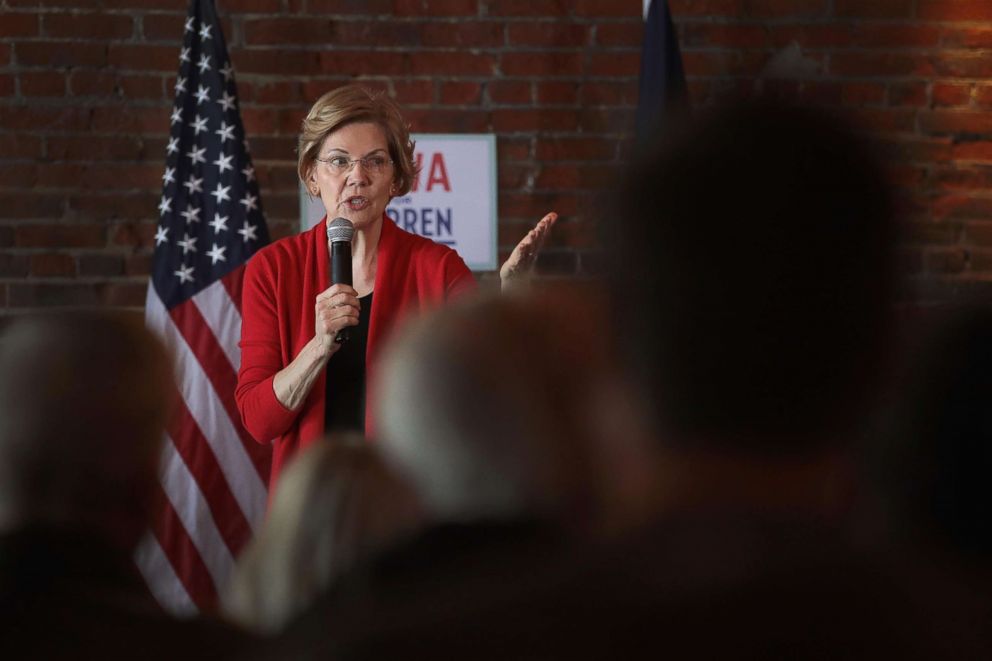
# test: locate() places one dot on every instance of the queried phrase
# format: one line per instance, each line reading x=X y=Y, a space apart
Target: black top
x=345 y=395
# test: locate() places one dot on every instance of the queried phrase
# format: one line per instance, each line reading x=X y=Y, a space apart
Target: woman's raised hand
x=521 y=261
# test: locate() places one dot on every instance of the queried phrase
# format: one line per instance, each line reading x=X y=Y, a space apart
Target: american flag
x=213 y=475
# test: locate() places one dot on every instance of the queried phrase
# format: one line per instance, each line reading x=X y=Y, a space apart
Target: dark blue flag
x=662 y=82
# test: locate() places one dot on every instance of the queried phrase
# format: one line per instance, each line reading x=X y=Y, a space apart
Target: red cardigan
x=281 y=284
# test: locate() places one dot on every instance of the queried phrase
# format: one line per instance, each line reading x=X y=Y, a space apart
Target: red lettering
x=438 y=174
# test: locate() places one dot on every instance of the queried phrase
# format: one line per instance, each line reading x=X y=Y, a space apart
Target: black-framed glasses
x=374 y=164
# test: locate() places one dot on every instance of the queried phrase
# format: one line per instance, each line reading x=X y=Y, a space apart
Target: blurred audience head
x=488 y=407
x=83 y=404
x=934 y=469
x=337 y=504
x=750 y=279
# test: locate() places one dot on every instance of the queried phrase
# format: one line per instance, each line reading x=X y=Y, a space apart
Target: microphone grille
x=340 y=229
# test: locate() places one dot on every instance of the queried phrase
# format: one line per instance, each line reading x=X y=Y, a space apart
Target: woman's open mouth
x=357 y=203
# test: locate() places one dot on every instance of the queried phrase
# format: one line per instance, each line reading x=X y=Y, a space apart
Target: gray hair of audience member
x=751 y=280
x=337 y=504
x=84 y=398
x=479 y=404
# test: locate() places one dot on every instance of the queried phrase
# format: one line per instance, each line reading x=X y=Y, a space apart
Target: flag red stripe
x=233 y=284
x=182 y=554
x=195 y=451
x=212 y=358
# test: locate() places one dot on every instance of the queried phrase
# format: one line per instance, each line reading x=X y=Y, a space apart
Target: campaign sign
x=453 y=200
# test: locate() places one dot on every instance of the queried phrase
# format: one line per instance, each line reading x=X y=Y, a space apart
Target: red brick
x=609 y=94
x=862 y=94
x=93 y=148
x=957 y=206
x=441 y=63
x=130 y=57
x=144 y=87
x=908 y=94
x=92 y=83
x=29 y=205
x=827 y=93
x=888 y=35
x=115 y=205
x=576 y=149
x=13 y=266
x=628 y=34
x=277 y=62
x=513 y=176
x=14 y=145
x=164 y=27
x=7 y=85
x=89 y=27
x=948 y=260
x=606 y=120
x=812 y=36
x=59 y=175
x=5 y=51
x=983 y=96
x=18 y=175
x=883 y=120
x=61 y=236
x=61 y=54
x=414 y=91
x=253 y=7
x=124 y=176
x=916 y=149
x=141 y=120
x=513 y=149
x=716 y=63
x=552 y=8
x=880 y=64
x=950 y=121
x=706 y=8
x=136 y=265
x=785 y=8
x=950 y=94
x=724 y=36
x=509 y=92
x=310 y=30
x=18 y=25
x=53 y=265
x=978 y=151
x=460 y=94
x=435 y=8
x=541 y=63
x=534 y=120
x=101 y=265
x=557 y=93
x=930 y=233
x=955 y=10
x=138 y=235
x=553 y=34
x=607 y=8
x=448 y=121
x=437 y=34
x=42 y=83
x=874 y=8
x=370 y=63
x=614 y=64
x=961 y=177
x=372 y=8
x=967 y=37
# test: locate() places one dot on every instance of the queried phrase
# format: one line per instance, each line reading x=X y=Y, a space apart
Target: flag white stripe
x=162 y=579
x=211 y=416
x=223 y=318
x=191 y=507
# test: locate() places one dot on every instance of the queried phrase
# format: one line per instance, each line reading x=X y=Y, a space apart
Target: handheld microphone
x=339 y=234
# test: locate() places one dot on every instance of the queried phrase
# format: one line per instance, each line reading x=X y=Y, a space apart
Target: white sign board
x=453 y=200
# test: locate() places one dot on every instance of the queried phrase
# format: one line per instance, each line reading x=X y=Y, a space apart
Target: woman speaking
x=296 y=381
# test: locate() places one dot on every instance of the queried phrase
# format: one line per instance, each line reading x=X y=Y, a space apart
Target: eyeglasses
x=374 y=164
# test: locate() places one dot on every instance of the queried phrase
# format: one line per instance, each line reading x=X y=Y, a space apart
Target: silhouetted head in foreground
x=83 y=404
x=751 y=279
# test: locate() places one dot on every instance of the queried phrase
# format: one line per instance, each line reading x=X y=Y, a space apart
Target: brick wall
x=86 y=88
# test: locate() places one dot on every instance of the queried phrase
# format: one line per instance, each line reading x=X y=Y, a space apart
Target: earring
x=315 y=191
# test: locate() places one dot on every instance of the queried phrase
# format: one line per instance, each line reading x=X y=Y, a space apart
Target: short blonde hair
x=350 y=104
